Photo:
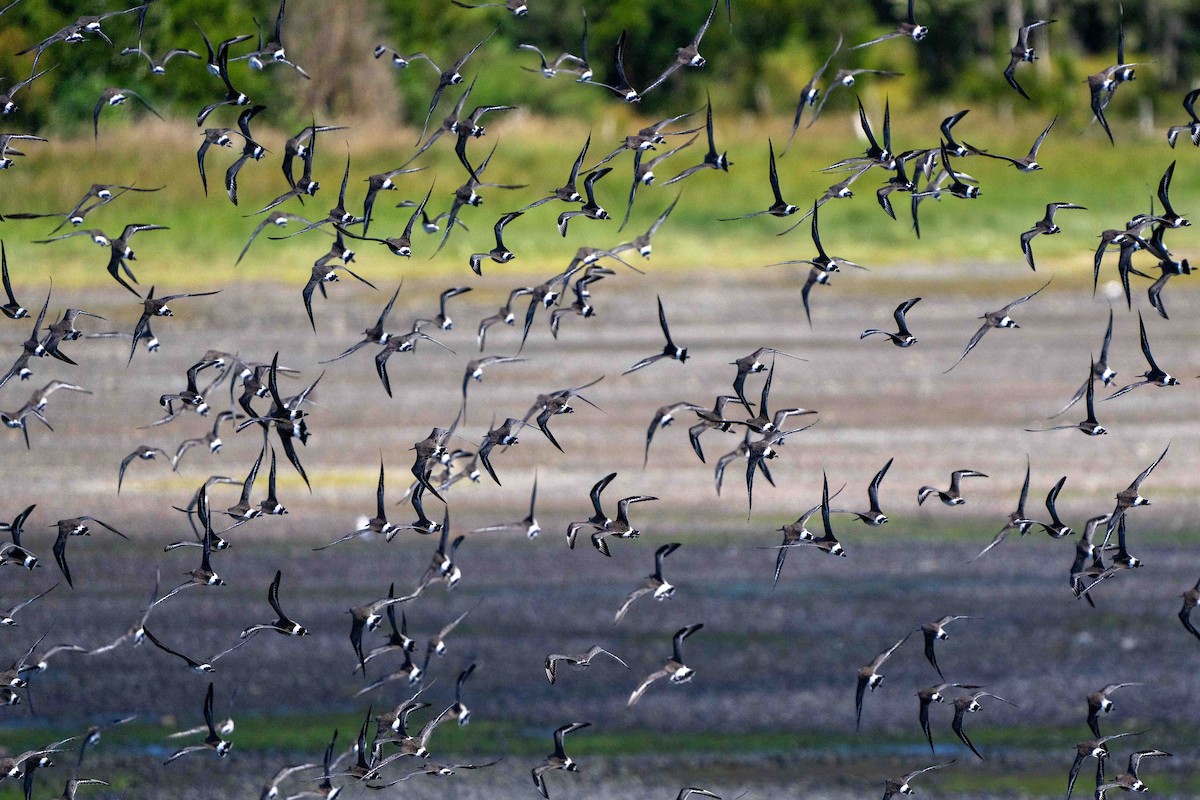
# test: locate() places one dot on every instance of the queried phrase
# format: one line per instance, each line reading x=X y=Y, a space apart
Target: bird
x=1169 y=217
x=619 y=526
x=686 y=56
x=1027 y=163
x=64 y=330
x=1090 y=426
x=136 y=633
x=894 y=787
x=437 y=642
x=1022 y=52
x=654 y=584
x=143 y=453
x=529 y=525
x=1130 y=496
x=869 y=677
x=398 y=639
x=903 y=337
x=450 y=77
x=712 y=159
x=198 y=667
x=822 y=261
x=92 y=737
x=459 y=711
x=12 y=552
x=968 y=704
x=1100 y=368
x=273 y=51
x=430 y=768
x=1129 y=781
x=376 y=333
x=1046 y=226
x=558 y=759
x=550 y=68
x=12 y=309
x=599 y=519
x=1192 y=128
x=7 y=104
x=157 y=307
x=518 y=8
x=996 y=319
x=212 y=742
x=930 y=695
x=643 y=174
x=590 y=209
x=410 y=672
x=75 y=526
x=367 y=618
x=220 y=62
x=442 y=320
x=271 y=789
x=934 y=631
x=847 y=77
x=204 y=576
x=97 y=194
x=1055 y=528
x=810 y=93
x=674 y=669
x=794 y=534
x=283 y=624
x=876 y=154
x=566 y=193
x=753 y=364
x=1155 y=376
x=1191 y=599
x=500 y=254
x=7 y=618
x=1098 y=701
x=243 y=510
x=554 y=403
x=1095 y=748
x=503 y=435
x=35 y=405
x=953 y=495
x=670 y=350
x=1103 y=84
x=113 y=97
x=158 y=66
x=623 y=88
x=958 y=187
x=581 y=660
x=909 y=28
x=779 y=208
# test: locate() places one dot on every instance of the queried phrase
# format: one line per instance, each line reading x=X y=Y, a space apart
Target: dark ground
x=771 y=707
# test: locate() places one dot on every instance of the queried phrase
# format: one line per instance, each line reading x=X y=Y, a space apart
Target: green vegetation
x=208 y=233
x=754 y=73
x=307 y=734
x=763 y=59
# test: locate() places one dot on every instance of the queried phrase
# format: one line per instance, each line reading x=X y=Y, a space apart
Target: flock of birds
x=387 y=748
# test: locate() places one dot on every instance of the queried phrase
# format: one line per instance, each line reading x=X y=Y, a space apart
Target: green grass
x=297 y=734
x=207 y=233
x=300 y=732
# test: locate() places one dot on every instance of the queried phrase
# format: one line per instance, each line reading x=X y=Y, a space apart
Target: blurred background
x=772 y=50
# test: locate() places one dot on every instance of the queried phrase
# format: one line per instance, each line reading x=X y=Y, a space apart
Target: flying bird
x=996 y=319
x=675 y=669
x=558 y=759
x=577 y=660
x=869 y=677
x=903 y=337
x=670 y=350
x=1022 y=52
